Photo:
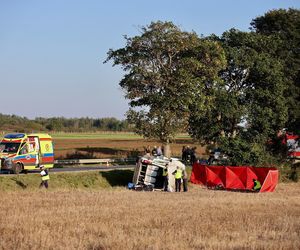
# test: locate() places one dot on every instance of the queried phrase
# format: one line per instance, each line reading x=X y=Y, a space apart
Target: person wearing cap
x=45 y=176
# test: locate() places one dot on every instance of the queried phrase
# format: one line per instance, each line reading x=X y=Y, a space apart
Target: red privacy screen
x=234 y=178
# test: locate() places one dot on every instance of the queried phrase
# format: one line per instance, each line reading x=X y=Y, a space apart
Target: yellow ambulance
x=19 y=151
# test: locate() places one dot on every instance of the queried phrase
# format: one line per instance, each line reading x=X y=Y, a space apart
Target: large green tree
x=284 y=26
x=252 y=95
x=261 y=83
x=167 y=70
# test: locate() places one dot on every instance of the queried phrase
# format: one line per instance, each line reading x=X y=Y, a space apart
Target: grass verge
x=79 y=180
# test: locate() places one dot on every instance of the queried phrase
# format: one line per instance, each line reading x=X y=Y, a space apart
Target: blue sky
x=52 y=51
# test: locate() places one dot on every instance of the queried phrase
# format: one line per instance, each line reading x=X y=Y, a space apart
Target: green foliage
x=242 y=150
x=289 y=172
x=260 y=89
x=17 y=123
x=61 y=124
x=284 y=27
x=167 y=70
x=294 y=176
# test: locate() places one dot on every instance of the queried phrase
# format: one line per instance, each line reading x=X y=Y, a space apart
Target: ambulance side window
x=24 y=149
x=31 y=147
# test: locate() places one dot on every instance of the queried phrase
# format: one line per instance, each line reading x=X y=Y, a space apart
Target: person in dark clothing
x=183 y=155
x=188 y=153
x=154 y=151
x=193 y=155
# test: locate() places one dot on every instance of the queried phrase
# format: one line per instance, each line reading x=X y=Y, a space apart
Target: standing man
x=183 y=155
x=45 y=176
x=166 y=178
x=185 y=181
x=178 y=177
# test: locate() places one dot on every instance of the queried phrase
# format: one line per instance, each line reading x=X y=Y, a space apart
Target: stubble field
x=92 y=211
x=116 y=218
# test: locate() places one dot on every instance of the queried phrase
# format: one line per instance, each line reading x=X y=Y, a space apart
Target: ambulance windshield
x=9 y=147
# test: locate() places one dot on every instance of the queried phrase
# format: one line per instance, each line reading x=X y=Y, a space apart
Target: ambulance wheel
x=17 y=168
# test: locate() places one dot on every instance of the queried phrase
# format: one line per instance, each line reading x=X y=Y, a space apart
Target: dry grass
x=122 y=219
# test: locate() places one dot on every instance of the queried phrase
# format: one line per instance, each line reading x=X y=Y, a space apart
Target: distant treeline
x=61 y=124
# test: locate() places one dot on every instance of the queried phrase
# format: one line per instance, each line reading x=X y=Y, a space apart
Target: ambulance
x=21 y=152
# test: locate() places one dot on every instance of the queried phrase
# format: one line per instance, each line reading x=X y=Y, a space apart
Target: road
x=79 y=169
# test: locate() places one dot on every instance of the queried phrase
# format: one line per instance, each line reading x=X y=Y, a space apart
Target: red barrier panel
x=198 y=175
x=270 y=182
x=250 y=176
x=234 y=178
x=215 y=176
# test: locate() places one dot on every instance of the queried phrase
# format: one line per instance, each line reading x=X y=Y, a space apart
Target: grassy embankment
x=74 y=180
x=70 y=180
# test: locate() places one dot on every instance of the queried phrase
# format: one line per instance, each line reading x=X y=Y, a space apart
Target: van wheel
x=17 y=168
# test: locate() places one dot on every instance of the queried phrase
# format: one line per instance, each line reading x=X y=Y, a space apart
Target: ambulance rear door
x=46 y=150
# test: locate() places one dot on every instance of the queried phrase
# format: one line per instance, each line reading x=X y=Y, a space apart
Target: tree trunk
x=167 y=149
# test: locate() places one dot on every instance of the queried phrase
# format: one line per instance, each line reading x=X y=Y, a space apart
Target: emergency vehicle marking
x=48 y=155
x=38 y=153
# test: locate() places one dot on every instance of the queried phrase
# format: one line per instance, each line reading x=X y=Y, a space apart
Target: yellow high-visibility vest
x=165 y=172
x=257 y=185
x=178 y=174
x=45 y=178
x=45 y=175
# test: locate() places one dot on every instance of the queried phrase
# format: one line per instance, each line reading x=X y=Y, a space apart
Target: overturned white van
x=149 y=171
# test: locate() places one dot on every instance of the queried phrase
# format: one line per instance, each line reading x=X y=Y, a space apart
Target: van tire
x=17 y=168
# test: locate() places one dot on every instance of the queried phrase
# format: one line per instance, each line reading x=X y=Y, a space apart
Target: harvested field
x=111 y=145
x=116 y=218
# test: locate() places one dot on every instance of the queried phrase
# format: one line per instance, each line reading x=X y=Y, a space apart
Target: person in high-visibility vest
x=166 y=178
x=257 y=185
x=45 y=176
x=178 y=177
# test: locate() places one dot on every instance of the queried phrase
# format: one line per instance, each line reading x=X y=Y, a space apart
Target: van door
x=46 y=150
x=25 y=157
x=34 y=146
